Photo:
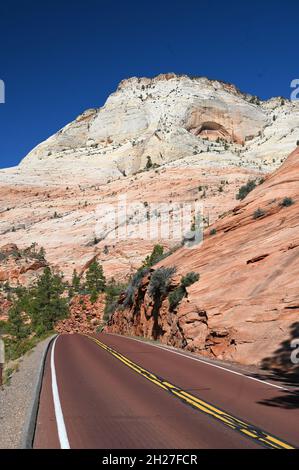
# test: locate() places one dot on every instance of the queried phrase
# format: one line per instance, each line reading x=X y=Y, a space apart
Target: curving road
x=115 y=392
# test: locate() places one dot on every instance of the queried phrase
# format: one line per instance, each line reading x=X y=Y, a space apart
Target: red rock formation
x=17 y=267
x=246 y=303
x=69 y=238
x=20 y=266
x=85 y=317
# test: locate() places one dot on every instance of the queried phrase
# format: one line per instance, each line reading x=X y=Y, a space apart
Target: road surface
x=115 y=392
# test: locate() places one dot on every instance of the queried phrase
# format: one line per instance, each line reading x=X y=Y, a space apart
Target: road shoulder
x=19 y=400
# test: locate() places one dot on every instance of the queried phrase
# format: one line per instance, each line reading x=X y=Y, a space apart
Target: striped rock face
x=245 y=305
x=204 y=138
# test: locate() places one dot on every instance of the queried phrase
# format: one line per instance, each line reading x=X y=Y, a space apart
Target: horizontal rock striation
x=245 y=306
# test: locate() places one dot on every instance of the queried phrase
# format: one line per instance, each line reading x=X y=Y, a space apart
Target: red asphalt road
x=105 y=404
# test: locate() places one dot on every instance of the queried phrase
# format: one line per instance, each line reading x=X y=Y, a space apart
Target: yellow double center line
x=264 y=438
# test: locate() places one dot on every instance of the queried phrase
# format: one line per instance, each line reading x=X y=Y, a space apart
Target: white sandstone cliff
x=166 y=118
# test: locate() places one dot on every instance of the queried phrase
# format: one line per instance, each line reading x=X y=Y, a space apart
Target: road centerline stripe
x=246 y=429
x=61 y=429
x=202 y=361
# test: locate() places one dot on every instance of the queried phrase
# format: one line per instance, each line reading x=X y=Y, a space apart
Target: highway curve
x=114 y=392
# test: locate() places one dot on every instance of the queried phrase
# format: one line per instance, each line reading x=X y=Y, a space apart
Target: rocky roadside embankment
x=245 y=306
x=19 y=400
x=85 y=316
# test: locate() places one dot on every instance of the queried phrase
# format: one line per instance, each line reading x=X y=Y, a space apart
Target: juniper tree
x=76 y=283
x=95 y=280
x=47 y=304
x=17 y=326
x=154 y=257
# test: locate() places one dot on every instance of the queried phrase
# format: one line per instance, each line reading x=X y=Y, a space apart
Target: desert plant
x=189 y=279
x=245 y=189
x=255 y=100
x=160 y=281
x=177 y=295
x=258 y=213
x=100 y=328
x=112 y=290
x=129 y=296
x=149 y=163
x=287 y=202
x=41 y=254
x=133 y=286
x=154 y=257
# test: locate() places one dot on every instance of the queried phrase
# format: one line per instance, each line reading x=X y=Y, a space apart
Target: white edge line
x=62 y=434
x=204 y=362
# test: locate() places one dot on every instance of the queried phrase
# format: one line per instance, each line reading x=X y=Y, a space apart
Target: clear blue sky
x=59 y=58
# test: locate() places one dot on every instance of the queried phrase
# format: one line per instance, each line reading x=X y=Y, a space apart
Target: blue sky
x=59 y=58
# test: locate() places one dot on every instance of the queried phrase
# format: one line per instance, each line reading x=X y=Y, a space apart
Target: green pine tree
x=154 y=257
x=48 y=305
x=17 y=325
x=76 y=284
x=149 y=163
x=95 y=280
x=42 y=254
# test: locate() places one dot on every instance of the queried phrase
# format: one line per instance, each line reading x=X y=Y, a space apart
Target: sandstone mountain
x=167 y=118
x=167 y=139
x=246 y=302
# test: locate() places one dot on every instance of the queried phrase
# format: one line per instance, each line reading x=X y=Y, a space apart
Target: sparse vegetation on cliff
x=112 y=290
x=177 y=295
x=287 y=202
x=258 y=213
x=32 y=252
x=248 y=187
x=159 y=282
x=133 y=286
x=155 y=256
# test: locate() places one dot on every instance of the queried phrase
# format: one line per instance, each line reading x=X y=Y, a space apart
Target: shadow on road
x=280 y=368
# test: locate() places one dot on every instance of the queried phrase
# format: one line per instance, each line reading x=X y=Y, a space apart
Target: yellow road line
x=231 y=421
